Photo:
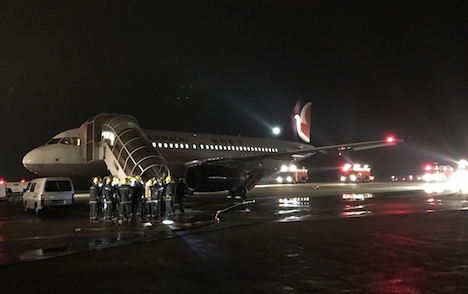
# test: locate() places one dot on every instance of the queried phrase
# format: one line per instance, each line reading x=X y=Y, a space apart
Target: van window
x=57 y=186
x=32 y=187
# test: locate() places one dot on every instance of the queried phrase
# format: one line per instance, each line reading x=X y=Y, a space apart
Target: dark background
x=370 y=68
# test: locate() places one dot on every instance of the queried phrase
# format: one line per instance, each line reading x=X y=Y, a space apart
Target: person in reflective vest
x=94 y=191
x=170 y=196
x=181 y=194
x=108 y=195
x=161 y=194
x=137 y=199
x=115 y=197
x=151 y=194
x=125 y=201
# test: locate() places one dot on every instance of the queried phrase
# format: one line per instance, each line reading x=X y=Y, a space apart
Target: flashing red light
x=2 y=182
x=428 y=167
x=346 y=167
x=23 y=181
x=390 y=139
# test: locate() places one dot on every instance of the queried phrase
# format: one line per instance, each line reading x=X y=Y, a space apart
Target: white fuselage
x=177 y=148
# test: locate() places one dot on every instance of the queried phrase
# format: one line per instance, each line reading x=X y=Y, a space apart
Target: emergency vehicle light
x=428 y=167
x=390 y=139
x=462 y=163
x=2 y=182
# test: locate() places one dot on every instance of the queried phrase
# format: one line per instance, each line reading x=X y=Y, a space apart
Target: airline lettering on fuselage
x=174 y=139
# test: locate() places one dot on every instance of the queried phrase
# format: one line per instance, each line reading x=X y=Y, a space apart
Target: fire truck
x=355 y=173
x=433 y=172
x=292 y=174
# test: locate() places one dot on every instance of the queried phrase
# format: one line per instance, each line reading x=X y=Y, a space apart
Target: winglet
x=406 y=141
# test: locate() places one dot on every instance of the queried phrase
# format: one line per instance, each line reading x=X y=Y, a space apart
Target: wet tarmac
x=310 y=238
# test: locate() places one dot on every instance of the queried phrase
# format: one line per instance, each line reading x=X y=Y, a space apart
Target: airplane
x=114 y=144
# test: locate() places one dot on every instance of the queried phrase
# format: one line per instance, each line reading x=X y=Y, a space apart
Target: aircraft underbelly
x=79 y=170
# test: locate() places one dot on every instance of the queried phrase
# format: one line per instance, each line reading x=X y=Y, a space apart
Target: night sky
x=370 y=68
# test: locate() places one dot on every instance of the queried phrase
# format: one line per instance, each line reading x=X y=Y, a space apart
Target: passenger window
x=32 y=187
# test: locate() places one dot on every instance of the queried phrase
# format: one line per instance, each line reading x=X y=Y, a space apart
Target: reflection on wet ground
x=364 y=204
x=26 y=237
x=52 y=235
x=293 y=239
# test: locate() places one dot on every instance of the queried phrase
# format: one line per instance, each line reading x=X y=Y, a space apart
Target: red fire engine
x=356 y=173
x=437 y=173
x=292 y=174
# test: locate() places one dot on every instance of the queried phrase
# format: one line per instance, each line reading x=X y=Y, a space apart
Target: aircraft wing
x=362 y=145
x=302 y=152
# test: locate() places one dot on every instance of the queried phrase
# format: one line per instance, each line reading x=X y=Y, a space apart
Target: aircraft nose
x=33 y=158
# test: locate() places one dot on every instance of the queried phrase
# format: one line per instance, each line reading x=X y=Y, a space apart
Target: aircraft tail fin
x=301 y=120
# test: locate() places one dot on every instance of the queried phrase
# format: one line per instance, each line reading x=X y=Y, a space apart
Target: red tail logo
x=303 y=122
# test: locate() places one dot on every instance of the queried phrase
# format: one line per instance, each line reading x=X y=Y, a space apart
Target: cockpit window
x=66 y=140
x=53 y=141
x=76 y=141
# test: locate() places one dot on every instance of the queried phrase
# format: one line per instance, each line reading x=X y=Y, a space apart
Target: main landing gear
x=239 y=192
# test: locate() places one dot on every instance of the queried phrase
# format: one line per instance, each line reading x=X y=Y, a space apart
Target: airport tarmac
x=307 y=238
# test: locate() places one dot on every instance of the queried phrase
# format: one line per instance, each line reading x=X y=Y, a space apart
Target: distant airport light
x=276 y=131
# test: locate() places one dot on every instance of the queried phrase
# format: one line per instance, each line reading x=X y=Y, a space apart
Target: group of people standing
x=130 y=199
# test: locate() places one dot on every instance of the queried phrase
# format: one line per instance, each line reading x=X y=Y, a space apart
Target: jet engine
x=211 y=178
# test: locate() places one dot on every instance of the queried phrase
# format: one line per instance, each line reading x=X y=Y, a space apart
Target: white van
x=48 y=192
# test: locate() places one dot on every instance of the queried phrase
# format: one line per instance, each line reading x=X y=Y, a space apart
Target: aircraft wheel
x=241 y=191
x=231 y=193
